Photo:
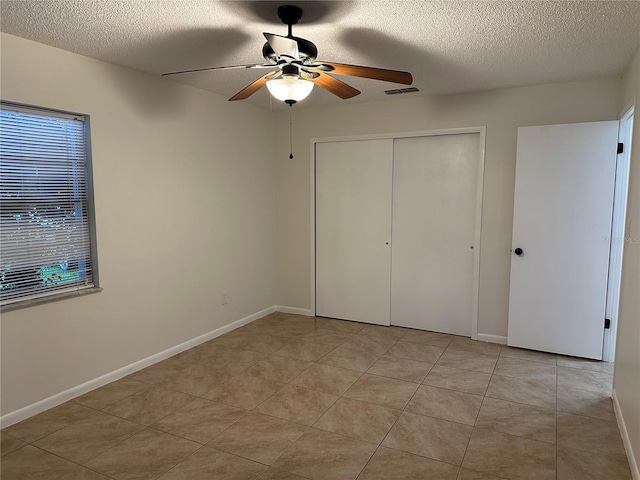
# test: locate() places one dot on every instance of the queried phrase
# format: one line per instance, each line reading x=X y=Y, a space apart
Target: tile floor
x=290 y=397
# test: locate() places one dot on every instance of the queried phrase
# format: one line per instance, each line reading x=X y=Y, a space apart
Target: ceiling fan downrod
x=289 y=15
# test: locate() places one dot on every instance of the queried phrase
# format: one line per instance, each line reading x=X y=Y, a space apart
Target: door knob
x=518 y=251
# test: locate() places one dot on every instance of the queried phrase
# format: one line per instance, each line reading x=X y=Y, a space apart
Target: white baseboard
x=484 y=337
x=59 y=398
x=635 y=473
x=294 y=310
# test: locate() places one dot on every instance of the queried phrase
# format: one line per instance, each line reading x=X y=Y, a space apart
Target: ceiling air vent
x=401 y=90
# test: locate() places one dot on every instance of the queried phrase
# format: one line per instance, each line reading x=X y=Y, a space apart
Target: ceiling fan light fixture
x=290 y=88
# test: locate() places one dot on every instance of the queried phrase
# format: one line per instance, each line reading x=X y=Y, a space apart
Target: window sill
x=52 y=298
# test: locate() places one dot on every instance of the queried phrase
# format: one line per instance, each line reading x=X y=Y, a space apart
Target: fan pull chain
x=290 y=132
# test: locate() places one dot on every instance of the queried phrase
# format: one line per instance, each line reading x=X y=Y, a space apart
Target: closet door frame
x=479 y=197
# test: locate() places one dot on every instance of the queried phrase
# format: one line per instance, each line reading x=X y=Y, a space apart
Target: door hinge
x=620 y=148
x=607 y=323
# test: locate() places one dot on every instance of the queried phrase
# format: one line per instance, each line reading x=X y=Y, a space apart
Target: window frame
x=29 y=300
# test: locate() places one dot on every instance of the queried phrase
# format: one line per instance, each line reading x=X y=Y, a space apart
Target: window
x=47 y=237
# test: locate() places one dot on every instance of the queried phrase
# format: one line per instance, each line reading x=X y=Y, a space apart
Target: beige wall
x=184 y=206
x=501 y=111
x=626 y=381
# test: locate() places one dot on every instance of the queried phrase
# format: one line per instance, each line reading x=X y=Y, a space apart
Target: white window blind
x=45 y=245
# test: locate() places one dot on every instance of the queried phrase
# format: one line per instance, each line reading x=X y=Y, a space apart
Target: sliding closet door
x=353 y=230
x=434 y=214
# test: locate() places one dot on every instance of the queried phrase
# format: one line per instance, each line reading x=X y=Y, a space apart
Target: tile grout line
x=74 y=462
x=473 y=429
x=54 y=431
x=381 y=442
x=372 y=455
x=308 y=427
x=181 y=461
x=478 y=414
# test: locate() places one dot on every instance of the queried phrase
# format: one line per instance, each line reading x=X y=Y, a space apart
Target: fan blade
x=335 y=86
x=252 y=88
x=230 y=67
x=394 y=76
x=283 y=46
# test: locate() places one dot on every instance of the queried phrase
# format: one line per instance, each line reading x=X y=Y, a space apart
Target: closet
x=397 y=229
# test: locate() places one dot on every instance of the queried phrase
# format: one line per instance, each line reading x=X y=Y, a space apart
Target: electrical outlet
x=225 y=298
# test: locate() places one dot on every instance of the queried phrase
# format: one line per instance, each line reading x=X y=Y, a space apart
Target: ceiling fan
x=294 y=69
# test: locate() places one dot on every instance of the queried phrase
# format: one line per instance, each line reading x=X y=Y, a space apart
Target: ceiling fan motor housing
x=291 y=15
x=307 y=50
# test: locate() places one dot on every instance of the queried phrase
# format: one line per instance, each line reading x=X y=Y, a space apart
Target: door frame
x=479 y=199
x=618 y=230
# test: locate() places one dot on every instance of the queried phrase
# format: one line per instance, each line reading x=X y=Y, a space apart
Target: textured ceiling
x=448 y=46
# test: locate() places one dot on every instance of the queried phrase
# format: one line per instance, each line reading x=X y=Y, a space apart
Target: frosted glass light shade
x=290 y=88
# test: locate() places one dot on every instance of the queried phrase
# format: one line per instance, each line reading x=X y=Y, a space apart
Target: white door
x=434 y=216
x=353 y=230
x=565 y=177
